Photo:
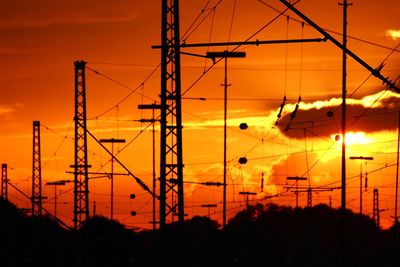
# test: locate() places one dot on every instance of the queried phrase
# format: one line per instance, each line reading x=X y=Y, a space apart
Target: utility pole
x=310 y=190
x=81 y=181
x=171 y=156
x=247 y=194
x=112 y=141
x=396 y=226
x=361 y=176
x=262 y=182
x=4 y=182
x=309 y=197
x=344 y=130
x=55 y=184
x=225 y=55
x=209 y=206
x=152 y=121
x=344 y=95
x=376 y=211
x=297 y=179
x=36 y=197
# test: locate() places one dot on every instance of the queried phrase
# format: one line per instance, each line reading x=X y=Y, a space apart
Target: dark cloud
x=359 y=118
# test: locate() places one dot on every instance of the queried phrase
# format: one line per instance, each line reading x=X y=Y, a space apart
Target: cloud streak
x=5 y=110
x=372 y=113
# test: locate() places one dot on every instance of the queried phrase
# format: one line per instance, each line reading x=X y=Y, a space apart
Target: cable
x=231 y=25
x=358 y=117
x=151 y=73
x=328 y=30
x=198 y=16
x=187 y=33
x=234 y=49
x=286 y=67
x=383 y=92
x=209 y=38
x=60 y=144
x=125 y=86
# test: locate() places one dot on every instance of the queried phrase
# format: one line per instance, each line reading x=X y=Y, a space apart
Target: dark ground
x=268 y=235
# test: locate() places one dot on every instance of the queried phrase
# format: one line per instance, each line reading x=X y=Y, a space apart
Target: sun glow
x=394 y=34
x=357 y=138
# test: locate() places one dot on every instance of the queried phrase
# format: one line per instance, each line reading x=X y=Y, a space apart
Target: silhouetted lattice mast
x=36 y=197
x=171 y=162
x=4 y=184
x=81 y=191
x=376 y=211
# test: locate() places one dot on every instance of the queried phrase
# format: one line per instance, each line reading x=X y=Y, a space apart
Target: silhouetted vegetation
x=269 y=235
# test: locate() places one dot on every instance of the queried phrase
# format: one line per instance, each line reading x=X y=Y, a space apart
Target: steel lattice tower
x=171 y=162
x=4 y=184
x=376 y=211
x=309 y=197
x=36 y=197
x=81 y=191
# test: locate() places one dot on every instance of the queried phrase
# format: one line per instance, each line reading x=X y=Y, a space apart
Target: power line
x=236 y=48
x=59 y=145
x=147 y=77
x=190 y=31
x=328 y=30
x=124 y=86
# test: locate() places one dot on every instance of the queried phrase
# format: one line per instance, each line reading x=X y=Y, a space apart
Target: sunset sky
x=40 y=40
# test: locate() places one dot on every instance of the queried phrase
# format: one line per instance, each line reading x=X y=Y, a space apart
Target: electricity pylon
x=171 y=159
x=4 y=181
x=36 y=197
x=81 y=190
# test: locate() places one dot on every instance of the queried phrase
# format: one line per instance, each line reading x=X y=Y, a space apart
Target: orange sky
x=40 y=40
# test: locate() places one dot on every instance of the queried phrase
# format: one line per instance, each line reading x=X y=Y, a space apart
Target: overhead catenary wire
x=232 y=19
x=137 y=179
x=65 y=137
x=329 y=30
x=125 y=146
x=383 y=92
x=209 y=37
x=234 y=49
x=193 y=27
x=134 y=90
x=186 y=35
x=118 y=120
x=294 y=113
x=285 y=80
x=286 y=192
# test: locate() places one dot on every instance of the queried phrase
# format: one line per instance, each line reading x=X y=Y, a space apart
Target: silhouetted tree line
x=269 y=235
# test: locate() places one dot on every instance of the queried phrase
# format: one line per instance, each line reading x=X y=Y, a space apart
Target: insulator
x=243 y=126
x=242 y=160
